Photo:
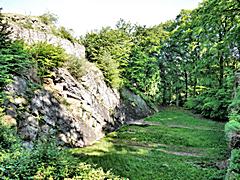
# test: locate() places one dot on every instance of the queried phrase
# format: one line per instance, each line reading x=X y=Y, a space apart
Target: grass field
x=174 y=145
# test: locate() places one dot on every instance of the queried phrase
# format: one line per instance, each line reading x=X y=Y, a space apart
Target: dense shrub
x=14 y=59
x=47 y=161
x=231 y=128
x=234 y=107
x=212 y=103
x=77 y=66
x=47 y=57
x=234 y=167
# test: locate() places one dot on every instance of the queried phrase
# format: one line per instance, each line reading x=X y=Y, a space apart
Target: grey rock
x=41 y=33
x=11 y=112
x=18 y=87
x=28 y=144
x=20 y=101
x=50 y=121
x=29 y=133
x=134 y=106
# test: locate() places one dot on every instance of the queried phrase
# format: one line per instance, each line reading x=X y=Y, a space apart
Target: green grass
x=181 y=147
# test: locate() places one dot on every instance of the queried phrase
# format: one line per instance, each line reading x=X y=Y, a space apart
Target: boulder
x=134 y=106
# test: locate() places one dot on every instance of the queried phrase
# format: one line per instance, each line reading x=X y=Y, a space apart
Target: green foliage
x=13 y=57
x=65 y=34
x=47 y=57
x=8 y=136
x=14 y=60
x=142 y=74
x=234 y=167
x=77 y=67
x=232 y=127
x=234 y=107
x=110 y=68
x=212 y=103
x=47 y=161
x=48 y=18
x=109 y=49
x=234 y=117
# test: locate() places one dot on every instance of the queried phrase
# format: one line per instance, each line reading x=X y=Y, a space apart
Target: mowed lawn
x=174 y=145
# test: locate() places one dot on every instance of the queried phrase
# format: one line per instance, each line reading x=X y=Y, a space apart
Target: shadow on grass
x=145 y=163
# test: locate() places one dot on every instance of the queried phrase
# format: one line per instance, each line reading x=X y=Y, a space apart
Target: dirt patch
x=141 y=122
x=192 y=154
x=193 y=128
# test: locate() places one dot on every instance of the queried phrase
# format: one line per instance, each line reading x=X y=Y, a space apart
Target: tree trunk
x=163 y=82
x=194 y=86
x=186 y=85
x=177 y=97
x=221 y=70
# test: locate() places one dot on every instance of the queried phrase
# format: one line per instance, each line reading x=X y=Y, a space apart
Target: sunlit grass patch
x=162 y=151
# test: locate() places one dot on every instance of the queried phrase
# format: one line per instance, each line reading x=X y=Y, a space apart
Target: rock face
x=32 y=30
x=78 y=113
x=134 y=106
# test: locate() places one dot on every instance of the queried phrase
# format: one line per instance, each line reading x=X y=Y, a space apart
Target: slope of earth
x=173 y=144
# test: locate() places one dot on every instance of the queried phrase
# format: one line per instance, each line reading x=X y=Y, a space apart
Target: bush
x=48 y=18
x=77 y=67
x=65 y=34
x=110 y=69
x=212 y=103
x=47 y=161
x=234 y=108
x=47 y=57
x=14 y=59
x=232 y=127
x=8 y=136
x=233 y=172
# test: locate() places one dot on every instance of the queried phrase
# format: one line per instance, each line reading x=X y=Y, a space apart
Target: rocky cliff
x=33 y=30
x=77 y=112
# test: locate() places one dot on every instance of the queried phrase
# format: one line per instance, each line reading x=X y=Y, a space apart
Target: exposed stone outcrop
x=134 y=106
x=78 y=113
x=32 y=30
